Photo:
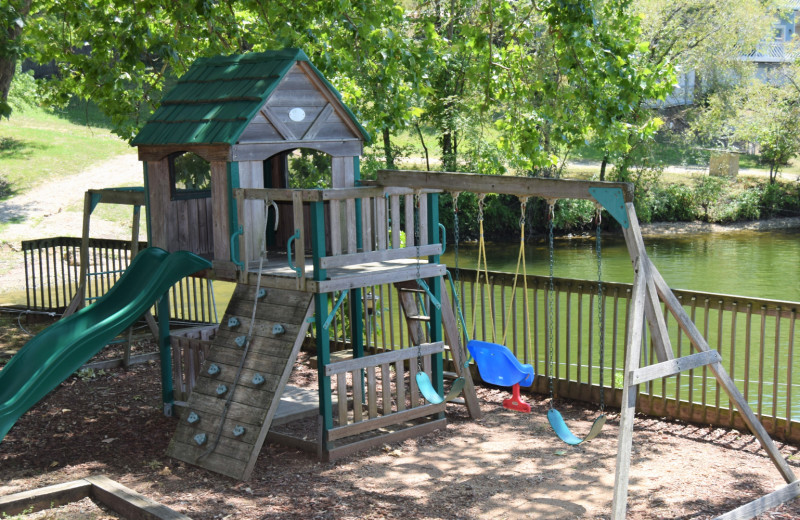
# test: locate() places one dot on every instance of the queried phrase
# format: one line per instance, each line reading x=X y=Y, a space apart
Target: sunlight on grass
x=60 y=148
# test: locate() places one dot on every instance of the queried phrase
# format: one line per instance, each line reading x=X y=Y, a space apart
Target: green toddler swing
x=554 y=416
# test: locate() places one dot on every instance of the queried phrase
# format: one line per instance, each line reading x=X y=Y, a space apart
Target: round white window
x=297 y=114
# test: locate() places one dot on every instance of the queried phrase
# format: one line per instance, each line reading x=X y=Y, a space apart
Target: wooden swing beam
x=649 y=292
x=507 y=185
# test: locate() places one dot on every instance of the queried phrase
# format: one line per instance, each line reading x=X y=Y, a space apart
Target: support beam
x=505 y=184
x=674 y=366
x=658 y=327
x=628 y=408
x=725 y=380
x=756 y=507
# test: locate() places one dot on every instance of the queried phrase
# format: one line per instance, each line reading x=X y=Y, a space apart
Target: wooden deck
x=276 y=273
x=296 y=403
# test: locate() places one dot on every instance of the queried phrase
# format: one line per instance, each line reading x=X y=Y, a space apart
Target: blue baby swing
x=554 y=416
x=497 y=365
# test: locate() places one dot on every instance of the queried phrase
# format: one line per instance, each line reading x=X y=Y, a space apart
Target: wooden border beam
x=505 y=184
x=760 y=505
x=122 y=500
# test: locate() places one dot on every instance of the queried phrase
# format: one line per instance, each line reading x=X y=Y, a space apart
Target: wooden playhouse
x=218 y=184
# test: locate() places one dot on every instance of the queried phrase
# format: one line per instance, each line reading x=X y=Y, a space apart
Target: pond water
x=760 y=264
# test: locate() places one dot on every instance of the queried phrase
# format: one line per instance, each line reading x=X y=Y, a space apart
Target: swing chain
x=551 y=300
x=456 y=238
x=418 y=239
x=601 y=322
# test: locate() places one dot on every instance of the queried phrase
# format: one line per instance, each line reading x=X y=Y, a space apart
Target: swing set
x=649 y=293
x=497 y=365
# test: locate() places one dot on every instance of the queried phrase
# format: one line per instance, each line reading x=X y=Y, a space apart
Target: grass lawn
x=36 y=145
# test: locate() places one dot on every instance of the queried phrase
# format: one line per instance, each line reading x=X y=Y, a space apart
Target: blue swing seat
x=498 y=366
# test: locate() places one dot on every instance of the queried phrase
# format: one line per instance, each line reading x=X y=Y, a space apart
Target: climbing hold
x=240 y=341
x=238 y=431
x=193 y=418
x=261 y=293
x=221 y=389
x=278 y=329
x=213 y=370
x=233 y=321
x=258 y=379
x=200 y=439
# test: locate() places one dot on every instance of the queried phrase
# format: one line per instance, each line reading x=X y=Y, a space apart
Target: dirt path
x=54 y=209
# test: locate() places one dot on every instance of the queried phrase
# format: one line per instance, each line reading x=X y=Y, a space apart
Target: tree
x=568 y=71
x=135 y=48
x=762 y=111
x=708 y=37
x=13 y=16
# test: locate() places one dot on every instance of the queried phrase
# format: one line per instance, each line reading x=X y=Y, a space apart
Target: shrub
x=23 y=93
x=707 y=191
x=773 y=200
x=743 y=206
x=672 y=203
x=573 y=214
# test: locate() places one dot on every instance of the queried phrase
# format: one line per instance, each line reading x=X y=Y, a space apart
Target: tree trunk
x=8 y=62
x=603 y=168
x=387 y=149
x=448 y=153
x=424 y=147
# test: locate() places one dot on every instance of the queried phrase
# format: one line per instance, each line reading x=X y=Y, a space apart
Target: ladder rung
x=449 y=375
x=418 y=317
x=410 y=289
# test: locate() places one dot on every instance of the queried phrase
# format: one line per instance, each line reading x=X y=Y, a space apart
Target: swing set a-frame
x=650 y=291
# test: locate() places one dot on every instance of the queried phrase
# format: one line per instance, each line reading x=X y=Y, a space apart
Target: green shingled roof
x=217 y=97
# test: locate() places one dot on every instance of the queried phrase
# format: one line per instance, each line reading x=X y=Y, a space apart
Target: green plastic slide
x=61 y=349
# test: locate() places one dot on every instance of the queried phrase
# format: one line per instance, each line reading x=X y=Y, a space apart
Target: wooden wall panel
x=251 y=175
x=219 y=211
x=158 y=185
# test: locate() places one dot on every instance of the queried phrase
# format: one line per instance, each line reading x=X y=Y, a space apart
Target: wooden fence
x=755 y=337
x=52 y=277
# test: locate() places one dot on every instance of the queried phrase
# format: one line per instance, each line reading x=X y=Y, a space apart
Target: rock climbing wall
x=243 y=401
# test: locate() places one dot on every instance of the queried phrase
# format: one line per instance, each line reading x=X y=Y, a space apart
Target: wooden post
x=629 y=391
x=658 y=327
x=80 y=295
x=321 y=315
x=165 y=354
x=437 y=368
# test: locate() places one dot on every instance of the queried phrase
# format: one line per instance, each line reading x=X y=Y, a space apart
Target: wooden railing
x=392 y=395
x=389 y=225
x=52 y=277
x=756 y=338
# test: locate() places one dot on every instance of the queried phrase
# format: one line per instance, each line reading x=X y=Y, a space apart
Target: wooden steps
x=253 y=403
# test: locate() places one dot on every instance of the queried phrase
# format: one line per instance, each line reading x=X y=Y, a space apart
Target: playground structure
x=244 y=114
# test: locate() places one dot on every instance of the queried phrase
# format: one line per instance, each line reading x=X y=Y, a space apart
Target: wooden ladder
x=408 y=291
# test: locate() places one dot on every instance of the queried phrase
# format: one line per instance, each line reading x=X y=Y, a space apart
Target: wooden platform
x=244 y=407
x=296 y=403
x=277 y=273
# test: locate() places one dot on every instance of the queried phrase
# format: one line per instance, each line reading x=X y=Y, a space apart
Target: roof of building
x=218 y=97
